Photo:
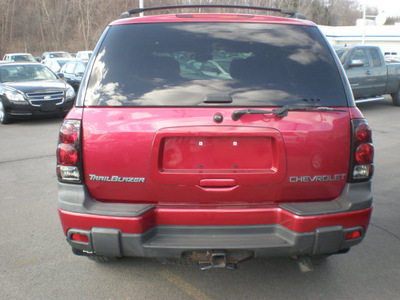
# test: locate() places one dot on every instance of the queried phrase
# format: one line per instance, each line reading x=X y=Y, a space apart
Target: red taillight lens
x=68 y=133
x=365 y=154
x=69 y=167
x=363 y=133
x=80 y=238
x=362 y=153
x=66 y=155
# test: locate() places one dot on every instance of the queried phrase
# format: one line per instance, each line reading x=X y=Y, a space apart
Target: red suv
x=214 y=137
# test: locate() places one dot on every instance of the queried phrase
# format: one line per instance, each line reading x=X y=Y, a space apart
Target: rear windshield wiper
x=280 y=112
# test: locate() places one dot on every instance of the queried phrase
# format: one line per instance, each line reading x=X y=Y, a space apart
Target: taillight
x=68 y=152
x=68 y=133
x=363 y=132
x=362 y=153
x=365 y=154
x=66 y=155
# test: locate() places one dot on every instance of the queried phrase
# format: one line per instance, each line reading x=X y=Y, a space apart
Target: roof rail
x=291 y=13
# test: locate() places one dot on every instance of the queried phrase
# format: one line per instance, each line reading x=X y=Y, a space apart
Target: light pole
x=364 y=21
x=141 y=6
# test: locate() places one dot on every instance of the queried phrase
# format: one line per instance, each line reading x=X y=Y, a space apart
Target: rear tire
x=4 y=116
x=396 y=97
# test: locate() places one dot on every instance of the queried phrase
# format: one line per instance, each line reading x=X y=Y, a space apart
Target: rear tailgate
x=170 y=156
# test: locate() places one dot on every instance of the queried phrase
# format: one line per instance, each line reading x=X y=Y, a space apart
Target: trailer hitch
x=218 y=259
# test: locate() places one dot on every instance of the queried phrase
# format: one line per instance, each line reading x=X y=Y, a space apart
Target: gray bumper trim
x=355 y=196
x=76 y=198
x=173 y=241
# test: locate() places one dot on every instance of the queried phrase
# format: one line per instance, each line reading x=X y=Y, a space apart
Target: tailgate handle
x=217 y=183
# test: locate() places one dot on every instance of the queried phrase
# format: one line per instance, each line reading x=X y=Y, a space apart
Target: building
x=387 y=37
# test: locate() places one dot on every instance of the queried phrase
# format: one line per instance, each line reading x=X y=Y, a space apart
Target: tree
x=36 y=26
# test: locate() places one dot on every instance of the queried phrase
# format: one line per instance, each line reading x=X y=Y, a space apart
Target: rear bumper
x=174 y=241
x=149 y=231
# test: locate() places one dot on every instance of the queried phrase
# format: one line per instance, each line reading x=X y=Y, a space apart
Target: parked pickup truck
x=369 y=75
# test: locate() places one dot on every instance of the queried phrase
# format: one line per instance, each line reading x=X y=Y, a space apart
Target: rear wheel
x=4 y=116
x=396 y=97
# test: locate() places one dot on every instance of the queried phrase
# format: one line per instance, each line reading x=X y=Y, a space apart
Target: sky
x=391 y=8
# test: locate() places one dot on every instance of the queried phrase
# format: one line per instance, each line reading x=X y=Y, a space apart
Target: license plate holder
x=46 y=107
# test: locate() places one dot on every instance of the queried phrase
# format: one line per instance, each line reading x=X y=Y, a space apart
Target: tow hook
x=218 y=260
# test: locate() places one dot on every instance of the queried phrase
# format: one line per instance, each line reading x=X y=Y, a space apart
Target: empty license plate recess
x=187 y=156
x=217 y=153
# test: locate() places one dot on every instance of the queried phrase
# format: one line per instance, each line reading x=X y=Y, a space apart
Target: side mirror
x=356 y=63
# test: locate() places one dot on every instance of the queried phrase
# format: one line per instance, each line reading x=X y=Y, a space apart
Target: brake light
x=365 y=154
x=362 y=154
x=66 y=155
x=68 y=152
x=68 y=133
x=363 y=133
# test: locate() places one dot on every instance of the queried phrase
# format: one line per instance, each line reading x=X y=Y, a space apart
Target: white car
x=56 y=54
x=19 y=57
x=55 y=64
x=84 y=54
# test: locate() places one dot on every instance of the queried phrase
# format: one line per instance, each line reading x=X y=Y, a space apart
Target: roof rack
x=291 y=13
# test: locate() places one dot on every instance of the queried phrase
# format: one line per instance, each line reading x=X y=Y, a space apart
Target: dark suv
x=264 y=154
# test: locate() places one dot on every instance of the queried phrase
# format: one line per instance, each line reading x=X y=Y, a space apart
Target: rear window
x=24 y=58
x=182 y=64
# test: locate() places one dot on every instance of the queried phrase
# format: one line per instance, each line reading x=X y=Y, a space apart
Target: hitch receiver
x=218 y=260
